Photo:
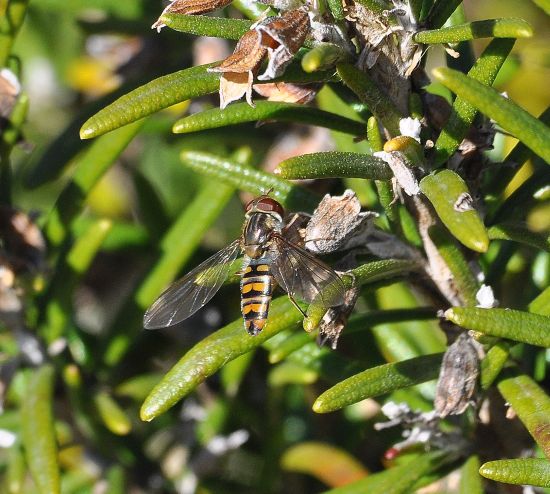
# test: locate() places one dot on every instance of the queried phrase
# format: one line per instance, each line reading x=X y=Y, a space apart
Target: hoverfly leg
x=295 y=304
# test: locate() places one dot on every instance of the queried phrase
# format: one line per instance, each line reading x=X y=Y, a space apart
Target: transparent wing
x=187 y=295
x=304 y=276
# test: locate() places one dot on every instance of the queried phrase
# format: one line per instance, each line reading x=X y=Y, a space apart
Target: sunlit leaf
x=379 y=380
x=505 y=323
x=154 y=96
x=114 y=418
x=446 y=190
x=334 y=164
x=521 y=471
x=202 y=25
x=38 y=431
x=266 y=110
x=492 y=28
x=470 y=481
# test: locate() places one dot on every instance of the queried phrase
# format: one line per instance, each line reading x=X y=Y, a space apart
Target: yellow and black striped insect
x=269 y=259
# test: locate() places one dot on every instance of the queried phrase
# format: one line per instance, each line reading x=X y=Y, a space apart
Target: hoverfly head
x=265 y=204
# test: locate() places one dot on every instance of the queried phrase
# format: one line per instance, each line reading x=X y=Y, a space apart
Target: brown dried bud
x=458 y=377
x=338 y=224
x=287 y=92
x=240 y=68
x=190 y=7
x=283 y=36
x=336 y=318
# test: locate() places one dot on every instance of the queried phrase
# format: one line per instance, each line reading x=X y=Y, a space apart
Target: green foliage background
x=130 y=210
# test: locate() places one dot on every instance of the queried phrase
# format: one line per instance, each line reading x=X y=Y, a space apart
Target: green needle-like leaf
x=470 y=481
x=114 y=418
x=334 y=164
x=521 y=471
x=207 y=356
x=16 y=470
x=38 y=430
x=490 y=28
x=506 y=323
x=380 y=270
x=512 y=118
x=154 y=96
x=519 y=233
x=463 y=112
x=245 y=177
x=266 y=110
x=445 y=189
x=463 y=278
x=397 y=480
x=201 y=25
x=532 y=405
x=369 y=93
x=493 y=362
x=379 y=380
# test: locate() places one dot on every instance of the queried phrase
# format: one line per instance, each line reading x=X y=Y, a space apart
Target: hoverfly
x=269 y=259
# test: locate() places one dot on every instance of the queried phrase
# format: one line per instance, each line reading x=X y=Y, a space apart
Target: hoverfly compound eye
x=268 y=205
x=250 y=205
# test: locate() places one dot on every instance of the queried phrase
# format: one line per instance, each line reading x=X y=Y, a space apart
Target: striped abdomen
x=256 y=290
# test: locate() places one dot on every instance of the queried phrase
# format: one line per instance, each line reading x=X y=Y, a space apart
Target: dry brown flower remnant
x=238 y=70
x=277 y=37
x=283 y=36
x=287 y=92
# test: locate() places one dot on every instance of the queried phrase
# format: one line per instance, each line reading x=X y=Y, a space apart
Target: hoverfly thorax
x=264 y=216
